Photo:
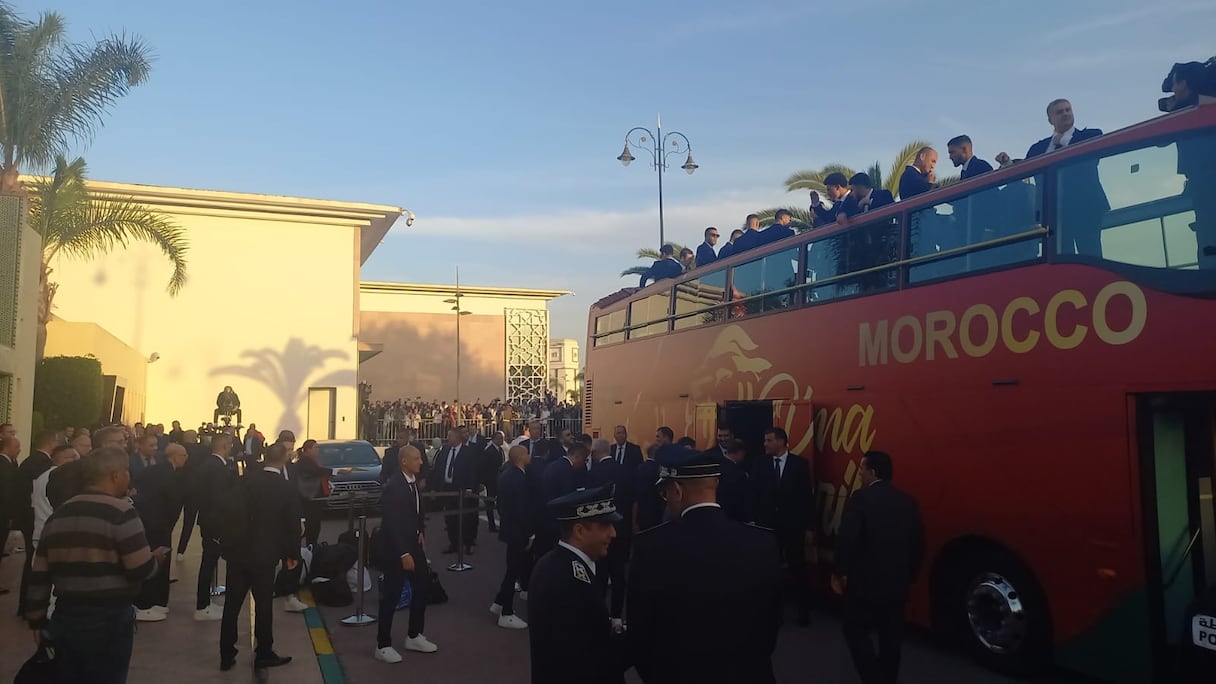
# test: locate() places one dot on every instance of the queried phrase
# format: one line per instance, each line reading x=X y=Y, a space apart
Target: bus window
x=694 y=299
x=857 y=249
x=1153 y=206
x=651 y=310
x=768 y=274
x=610 y=328
x=980 y=217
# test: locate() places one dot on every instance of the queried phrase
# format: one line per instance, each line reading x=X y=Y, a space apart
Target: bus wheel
x=1001 y=614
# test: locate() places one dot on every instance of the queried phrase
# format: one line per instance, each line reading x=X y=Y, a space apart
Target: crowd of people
x=383 y=420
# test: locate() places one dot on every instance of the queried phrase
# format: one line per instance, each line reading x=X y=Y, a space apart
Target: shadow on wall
x=417 y=363
x=288 y=375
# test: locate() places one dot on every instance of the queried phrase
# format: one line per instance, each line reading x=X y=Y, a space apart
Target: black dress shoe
x=451 y=548
x=493 y=528
x=227 y=662
x=271 y=660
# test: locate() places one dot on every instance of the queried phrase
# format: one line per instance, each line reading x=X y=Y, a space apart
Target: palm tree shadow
x=289 y=374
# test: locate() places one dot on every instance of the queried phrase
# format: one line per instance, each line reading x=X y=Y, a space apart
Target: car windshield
x=348 y=454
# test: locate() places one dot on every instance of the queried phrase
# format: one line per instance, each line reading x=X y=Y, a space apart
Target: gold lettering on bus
x=980 y=328
x=845 y=434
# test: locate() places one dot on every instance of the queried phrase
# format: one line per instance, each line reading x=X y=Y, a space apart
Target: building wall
x=20 y=264
x=267 y=309
x=117 y=358
x=564 y=365
x=419 y=356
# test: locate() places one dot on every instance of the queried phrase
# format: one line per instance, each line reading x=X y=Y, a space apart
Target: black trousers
x=517 y=559
x=27 y=537
x=618 y=556
x=312 y=520
x=155 y=591
x=189 y=515
x=860 y=622
x=241 y=580
x=492 y=506
x=390 y=594
x=793 y=551
x=453 y=522
x=206 y=570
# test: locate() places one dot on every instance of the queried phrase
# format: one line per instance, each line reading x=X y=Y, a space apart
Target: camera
x=1200 y=79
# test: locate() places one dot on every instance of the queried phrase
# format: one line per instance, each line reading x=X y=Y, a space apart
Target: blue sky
x=498 y=124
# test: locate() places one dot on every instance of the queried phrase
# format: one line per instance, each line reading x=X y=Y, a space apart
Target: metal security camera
x=409 y=218
x=154 y=357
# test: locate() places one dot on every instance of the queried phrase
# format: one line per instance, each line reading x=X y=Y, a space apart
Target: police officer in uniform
x=570 y=635
x=704 y=599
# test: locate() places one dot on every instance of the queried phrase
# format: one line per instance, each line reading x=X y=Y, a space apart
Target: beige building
x=271 y=308
x=564 y=365
x=20 y=263
x=409 y=332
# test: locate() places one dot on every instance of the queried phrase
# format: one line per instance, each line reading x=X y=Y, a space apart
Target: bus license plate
x=1203 y=631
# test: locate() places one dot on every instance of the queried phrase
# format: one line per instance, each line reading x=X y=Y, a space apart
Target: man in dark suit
x=273 y=508
x=1082 y=199
x=837 y=187
x=391 y=462
x=962 y=155
x=784 y=501
x=570 y=638
x=679 y=635
x=11 y=510
x=665 y=267
x=455 y=470
x=158 y=499
x=863 y=197
x=647 y=503
x=729 y=248
x=779 y=230
x=562 y=476
x=878 y=556
x=705 y=251
x=34 y=465
x=606 y=472
x=474 y=446
x=624 y=452
x=1064 y=133
x=404 y=555
x=734 y=484
x=144 y=456
x=516 y=532
x=493 y=459
x=918 y=177
x=196 y=455
x=210 y=485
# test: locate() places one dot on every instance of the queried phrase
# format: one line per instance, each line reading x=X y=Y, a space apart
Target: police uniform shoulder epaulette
x=759 y=527
x=650 y=529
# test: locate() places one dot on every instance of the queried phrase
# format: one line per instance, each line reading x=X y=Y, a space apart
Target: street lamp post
x=656 y=145
x=455 y=302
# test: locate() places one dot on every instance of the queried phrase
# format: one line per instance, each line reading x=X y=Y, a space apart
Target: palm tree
x=79 y=223
x=53 y=92
x=649 y=254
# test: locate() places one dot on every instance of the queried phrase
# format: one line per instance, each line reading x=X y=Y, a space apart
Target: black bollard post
x=460 y=565
x=359 y=618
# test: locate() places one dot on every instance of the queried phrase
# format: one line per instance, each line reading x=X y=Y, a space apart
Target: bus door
x=1176 y=434
x=748 y=420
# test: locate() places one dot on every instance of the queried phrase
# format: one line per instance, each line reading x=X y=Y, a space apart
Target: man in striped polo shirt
x=94 y=553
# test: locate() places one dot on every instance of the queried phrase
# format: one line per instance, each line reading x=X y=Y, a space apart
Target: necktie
x=452 y=463
x=777 y=467
x=414 y=491
x=620 y=454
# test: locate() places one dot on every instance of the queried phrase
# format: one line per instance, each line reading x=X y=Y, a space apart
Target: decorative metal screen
x=6 y=398
x=586 y=401
x=527 y=353
x=10 y=262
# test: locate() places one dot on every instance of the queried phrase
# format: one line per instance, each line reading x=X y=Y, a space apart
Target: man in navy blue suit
x=961 y=155
x=837 y=187
x=665 y=267
x=918 y=176
x=863 y=197
x=705 y=252
x=755 y=238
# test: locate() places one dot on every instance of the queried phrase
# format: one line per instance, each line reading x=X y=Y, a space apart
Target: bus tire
x=987 y=600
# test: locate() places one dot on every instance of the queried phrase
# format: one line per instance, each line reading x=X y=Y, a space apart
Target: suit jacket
x=34 y=465
x=158 y=499
x=559 y=479
x=136 y=463
x=788 y=506
x=663 y=268
x=878 y=198
x=705 y=255
x=11 y=510
x=734 y=489
x=974 y=168
x=775 y=233
x=464 y=474
x=310 y=478
x=391 y=463
x=514 y=506
x=726 y=250
x=825 y=215
x=1078 y=135
x=63 y=483
x=209 y=485
x=404 y=518
x=678 y=634
x=569 y=632
x=274 y=505
x=633 y=456
x=913 y=183
x=880 y=544
x=606 y=471
x=490 y=463
x=646 y=495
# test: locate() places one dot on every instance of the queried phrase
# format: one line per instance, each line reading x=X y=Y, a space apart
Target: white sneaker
x=518 y=588
x=511 y=622
x=181 y=557
x=388 y=654
x=523 y=595
x=160 y=609
x=211 y=613
x=421 y=644
x=149 y=615
x=618 y=626
x=295 y=605
x=496 y=609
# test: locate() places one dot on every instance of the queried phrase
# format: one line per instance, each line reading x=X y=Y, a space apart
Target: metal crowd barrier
x=383 y=431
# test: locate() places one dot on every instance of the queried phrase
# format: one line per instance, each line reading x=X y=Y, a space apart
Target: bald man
x=158 y=499
x=516 y=531
x=404 y=551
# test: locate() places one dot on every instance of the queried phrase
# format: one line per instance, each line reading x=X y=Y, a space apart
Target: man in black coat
x=647 y=503
x=392 y=461
x=606 y=472
x=569 y=636
x=784 y=501
x=562 y=476
x=623 y=451
x=34 y=465
x=493 y=459
x=878 y=556
x=211 y=481
x=404 y=557
x=515 y=506
x=144 y=456
x=158 y=499
x=863 y=197
x=273 y=508
x=11 y=510
x=455 y=470
x=679 y=636
x=734 y=485
x=196 y=454
x=705 y=251
x=665 y=267
x=962 y=155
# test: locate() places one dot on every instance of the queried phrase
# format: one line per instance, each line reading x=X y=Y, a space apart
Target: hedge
x=67 y=391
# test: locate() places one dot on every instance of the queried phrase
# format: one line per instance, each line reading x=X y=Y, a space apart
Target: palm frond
x=634 y=271
x=811 y=179
x=948 y=180
x=903 y=158
x=800 y=219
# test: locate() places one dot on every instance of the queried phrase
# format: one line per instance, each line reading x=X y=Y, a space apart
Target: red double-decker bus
x=1036 y=349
